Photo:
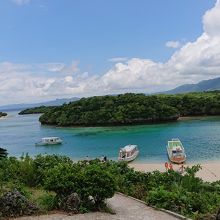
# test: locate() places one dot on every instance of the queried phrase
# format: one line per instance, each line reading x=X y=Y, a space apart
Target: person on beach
x=166 y=166
x=181 y=169
x=170 y=166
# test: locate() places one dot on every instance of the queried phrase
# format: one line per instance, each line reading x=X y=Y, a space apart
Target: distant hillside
x=205 y=85
x=55 y=102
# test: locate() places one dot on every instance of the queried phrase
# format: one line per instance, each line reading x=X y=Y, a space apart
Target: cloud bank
x=193 y=62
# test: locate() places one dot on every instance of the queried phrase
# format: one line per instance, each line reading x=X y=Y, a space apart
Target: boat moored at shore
x=175 y=151
x=128 y=153
x=49 y=141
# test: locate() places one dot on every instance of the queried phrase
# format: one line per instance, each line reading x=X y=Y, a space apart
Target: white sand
x=210 y=170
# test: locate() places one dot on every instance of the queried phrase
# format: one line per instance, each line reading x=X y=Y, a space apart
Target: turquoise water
x=200 y=137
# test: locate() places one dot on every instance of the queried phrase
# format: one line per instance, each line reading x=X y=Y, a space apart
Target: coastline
x=187 y=118
x=210 y=171
x=3 y=117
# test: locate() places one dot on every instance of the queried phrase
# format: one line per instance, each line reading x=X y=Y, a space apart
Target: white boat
x=128 y=153
x=49 y=141
x=175 y=151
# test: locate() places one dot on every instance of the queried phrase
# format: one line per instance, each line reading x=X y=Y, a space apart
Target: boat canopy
x=48 y=138
x=129 y=148
x=175 y=143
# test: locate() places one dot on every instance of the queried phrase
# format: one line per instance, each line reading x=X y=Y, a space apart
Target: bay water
x=200 y=137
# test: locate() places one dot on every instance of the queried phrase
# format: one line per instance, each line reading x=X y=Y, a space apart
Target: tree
x=3 y=153
x=98 y=183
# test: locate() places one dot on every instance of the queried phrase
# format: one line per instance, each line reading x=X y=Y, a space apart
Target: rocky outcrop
x=72 y=203
x=14 y=204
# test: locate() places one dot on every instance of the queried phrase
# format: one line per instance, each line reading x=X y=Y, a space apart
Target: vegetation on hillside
x=132 y=109
x=84 y=186
x=2 y=114
x=36 y=110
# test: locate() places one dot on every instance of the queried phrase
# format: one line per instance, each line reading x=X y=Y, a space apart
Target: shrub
x=42 y=163
x=96 y=182
x=47 y=202
x=62 y=179
x=88 y=180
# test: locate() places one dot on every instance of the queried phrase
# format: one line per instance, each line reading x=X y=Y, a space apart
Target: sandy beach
x=210 y=170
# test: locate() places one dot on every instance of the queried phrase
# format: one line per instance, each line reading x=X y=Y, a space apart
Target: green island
x=30 y=186
x=36 y=110
x=130 y=108
x=3 y=114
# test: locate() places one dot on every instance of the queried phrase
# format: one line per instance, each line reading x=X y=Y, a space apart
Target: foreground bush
x=87 y=181
x=84 y=186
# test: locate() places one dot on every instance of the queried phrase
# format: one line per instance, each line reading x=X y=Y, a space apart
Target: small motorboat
x=49 y=141
x=175 y=151
x=128 y=153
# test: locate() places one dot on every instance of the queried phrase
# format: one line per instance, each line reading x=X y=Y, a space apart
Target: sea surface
x=200 y=137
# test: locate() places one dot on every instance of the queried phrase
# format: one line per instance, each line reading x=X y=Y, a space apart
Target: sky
x=66 y=48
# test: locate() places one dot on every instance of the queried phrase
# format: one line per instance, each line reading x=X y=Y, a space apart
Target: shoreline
x=3 y=117
x=186 y=118
x=210 y=171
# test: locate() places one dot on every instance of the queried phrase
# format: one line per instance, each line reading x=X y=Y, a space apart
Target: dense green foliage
x=58 y=175
x=111 y=110
x=2 y=114
x=132 y=109
x=36 y=110
x=94 y=181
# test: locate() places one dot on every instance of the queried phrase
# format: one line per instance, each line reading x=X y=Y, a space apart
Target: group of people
x=169 y=166
x=103 y=159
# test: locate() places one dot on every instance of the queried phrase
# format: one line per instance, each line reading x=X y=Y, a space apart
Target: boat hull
x=129 y=159
x=177 y=160
x=48 y=144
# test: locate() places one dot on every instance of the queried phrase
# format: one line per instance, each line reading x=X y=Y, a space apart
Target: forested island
x=3 y=114
x=132 y=108
x=36 y=110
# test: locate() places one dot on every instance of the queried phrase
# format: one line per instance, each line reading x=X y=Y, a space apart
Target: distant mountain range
x=55 y=102
x=205 y=85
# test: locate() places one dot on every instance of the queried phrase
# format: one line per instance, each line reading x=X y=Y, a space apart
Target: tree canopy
x=2 y=114
x=36 y=110
x=3 y=153
x=132 y=109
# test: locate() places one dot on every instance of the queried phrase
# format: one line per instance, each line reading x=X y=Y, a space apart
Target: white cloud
x=72 y=68
x=211 y=20
x=21 y=2
x=173 y=44
x=193 y=62
x=118 y=59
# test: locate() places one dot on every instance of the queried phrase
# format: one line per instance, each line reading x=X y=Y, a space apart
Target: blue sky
x=94 y=31
x=63 y=48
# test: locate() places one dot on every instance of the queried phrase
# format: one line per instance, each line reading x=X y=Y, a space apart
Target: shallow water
x=200 y=137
